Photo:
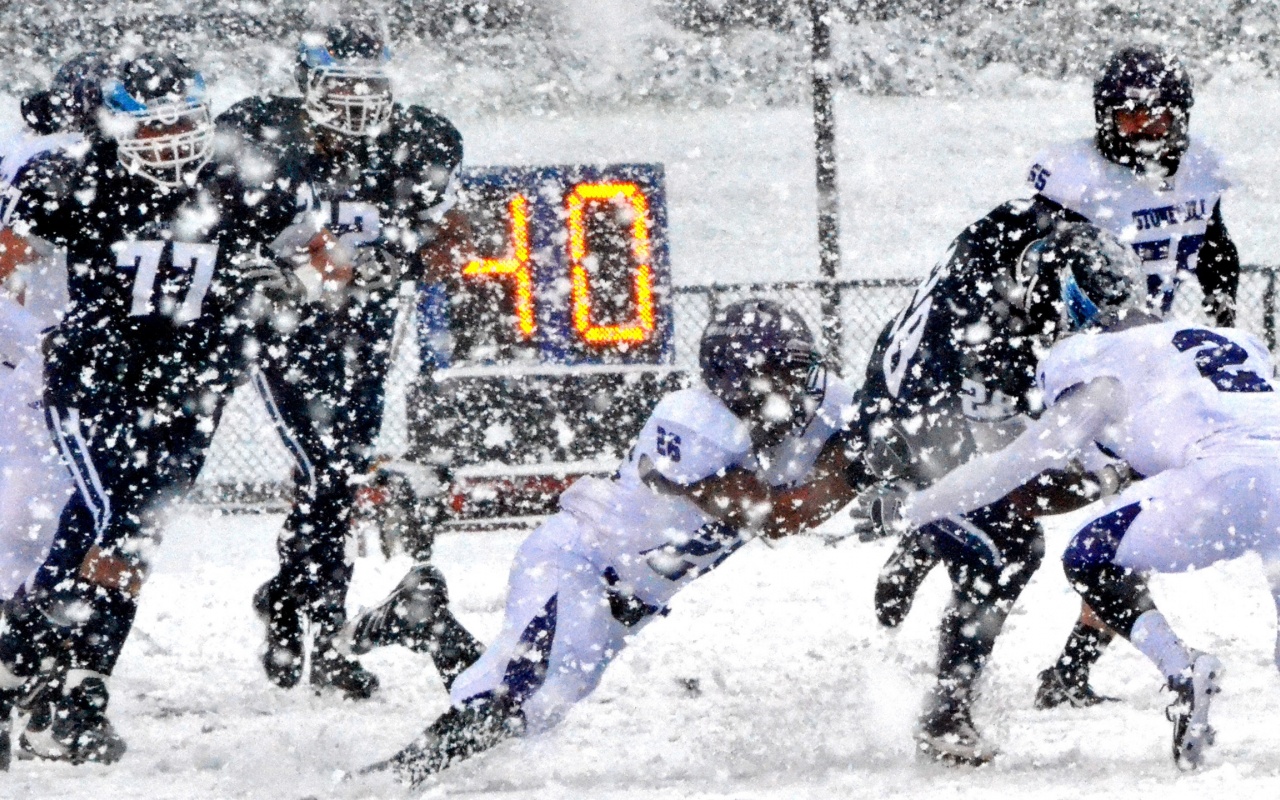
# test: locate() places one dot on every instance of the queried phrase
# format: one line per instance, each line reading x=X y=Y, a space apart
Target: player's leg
x=416 y=614
x=48 y=623
x=314 y=567
x=558 y=636
x=921 y=453
x=1181 y=519
x=1067 y=681
x=990 y=555
x=34 y=485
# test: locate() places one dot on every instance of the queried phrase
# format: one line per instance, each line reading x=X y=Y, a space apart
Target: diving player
x=165 y=246
x=382 y=174
x=1146 y=181
x=751 y=452
x=1191 y=408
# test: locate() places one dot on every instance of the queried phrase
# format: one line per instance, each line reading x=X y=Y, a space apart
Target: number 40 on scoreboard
x=571 y=267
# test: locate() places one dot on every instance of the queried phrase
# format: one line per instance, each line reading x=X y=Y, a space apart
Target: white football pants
x=559 y=633
x=34 y=484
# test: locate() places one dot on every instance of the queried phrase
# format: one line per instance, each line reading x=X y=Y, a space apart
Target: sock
x=1154 y=638
x=1083 y=649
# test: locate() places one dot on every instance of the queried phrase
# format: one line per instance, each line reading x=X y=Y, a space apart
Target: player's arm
x=813 y=503
x=734 y=496
x=1050 y=442
x=1218 y=270
x=450 y=250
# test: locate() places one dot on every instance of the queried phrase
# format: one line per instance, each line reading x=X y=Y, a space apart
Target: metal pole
x=824 y=131
x=1269 y=310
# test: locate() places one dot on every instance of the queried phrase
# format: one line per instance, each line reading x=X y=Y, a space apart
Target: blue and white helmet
x=1098 y=278
x=342 y=74
x=158 y=113
x=759 y=357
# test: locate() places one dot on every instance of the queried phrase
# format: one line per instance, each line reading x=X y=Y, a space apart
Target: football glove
x=877 y=512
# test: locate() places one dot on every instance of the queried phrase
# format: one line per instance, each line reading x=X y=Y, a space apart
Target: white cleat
x=1189 y=713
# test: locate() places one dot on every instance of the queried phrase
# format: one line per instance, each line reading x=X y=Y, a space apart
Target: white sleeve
x=19 y=332
x=1051 y=441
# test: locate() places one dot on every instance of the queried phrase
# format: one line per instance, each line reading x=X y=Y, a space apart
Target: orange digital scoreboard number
x=570 y=266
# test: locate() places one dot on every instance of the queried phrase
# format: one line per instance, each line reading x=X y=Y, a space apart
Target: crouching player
x=1191 y=408
x=751 y=453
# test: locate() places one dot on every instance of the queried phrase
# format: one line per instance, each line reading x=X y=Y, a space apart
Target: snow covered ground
x=769 y=680
x=797 y=693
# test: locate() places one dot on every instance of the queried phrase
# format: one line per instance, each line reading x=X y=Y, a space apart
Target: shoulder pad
x=1202 y=164
x=428 y=133
x=701 y=412
x=1066 y=172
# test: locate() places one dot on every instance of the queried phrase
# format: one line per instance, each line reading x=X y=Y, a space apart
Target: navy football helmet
x=1154 y=88
x=158 y=113
x=760 y=358
x=1093 y=277
x=342 y=74
x=73 y=99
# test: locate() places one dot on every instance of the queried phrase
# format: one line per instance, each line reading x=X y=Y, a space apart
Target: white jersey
x=1189 y=392
x=658 y=543
x=1164 y=219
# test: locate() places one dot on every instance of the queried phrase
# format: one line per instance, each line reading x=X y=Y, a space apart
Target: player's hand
x=331 y=258
x=877 y=512
x=274 y=283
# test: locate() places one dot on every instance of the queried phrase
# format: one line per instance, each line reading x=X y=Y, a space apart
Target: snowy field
x=770 y=679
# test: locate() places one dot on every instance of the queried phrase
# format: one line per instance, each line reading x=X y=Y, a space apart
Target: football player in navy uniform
x=163 y=244
x=753 y=451
x=954 y=371
x=382 y=173
x=1193 y=409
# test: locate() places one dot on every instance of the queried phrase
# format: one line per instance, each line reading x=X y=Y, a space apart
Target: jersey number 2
x=1218 y=359
x=147 y=258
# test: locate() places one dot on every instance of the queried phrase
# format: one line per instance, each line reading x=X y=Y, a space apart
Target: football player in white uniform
x=750 y=453
x=34 y=485
x=1143 y=178
x=1191 y=408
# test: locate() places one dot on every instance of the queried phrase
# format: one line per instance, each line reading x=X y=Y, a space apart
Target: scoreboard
x=552 y=343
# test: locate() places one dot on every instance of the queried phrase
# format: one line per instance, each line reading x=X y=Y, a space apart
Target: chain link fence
x=249 y=467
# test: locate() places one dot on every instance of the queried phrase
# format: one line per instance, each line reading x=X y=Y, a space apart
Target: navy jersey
x=387 y=191
x=155 y=275
x=966 y=343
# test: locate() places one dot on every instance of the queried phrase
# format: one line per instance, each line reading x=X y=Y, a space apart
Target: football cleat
x=1058 y=690
x=407 y=616
x=1189 y=712
x=948 y=735
x=79 y=731
x=900 y=578
x=458 y=734
x=38 y=706
x=331 y=669
x=282 y=616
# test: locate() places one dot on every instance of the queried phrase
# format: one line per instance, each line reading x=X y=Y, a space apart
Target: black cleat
x=408 y=615
x=1189 y=712
x=900 y=578
x=282 y=616
x=458 y=734
x=8 y=698
x=79 y=731
x=948 y=736
x=333 y=670
x=1057 y=690
x=35 y=741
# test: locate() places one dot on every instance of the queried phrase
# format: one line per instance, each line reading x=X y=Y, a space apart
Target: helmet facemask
x=166 y=140
x=1154 y=91
x=354 y=100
